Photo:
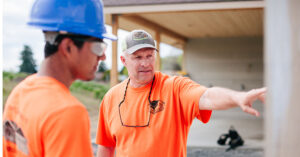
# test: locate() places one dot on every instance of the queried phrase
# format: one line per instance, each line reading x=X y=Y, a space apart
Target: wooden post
x=282 y=58
x=157 y=62
x=114 y=66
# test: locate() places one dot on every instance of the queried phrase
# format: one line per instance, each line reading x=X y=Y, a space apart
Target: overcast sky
x=16 y=34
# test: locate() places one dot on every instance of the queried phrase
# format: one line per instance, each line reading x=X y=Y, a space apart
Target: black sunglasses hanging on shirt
x=153 y=105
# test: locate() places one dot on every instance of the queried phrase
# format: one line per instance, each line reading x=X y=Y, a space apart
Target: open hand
x=247 y=99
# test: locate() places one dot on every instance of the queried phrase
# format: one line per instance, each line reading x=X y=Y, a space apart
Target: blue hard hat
x=83 y=17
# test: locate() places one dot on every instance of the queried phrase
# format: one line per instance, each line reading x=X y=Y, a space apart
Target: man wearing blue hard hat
x=41 y=117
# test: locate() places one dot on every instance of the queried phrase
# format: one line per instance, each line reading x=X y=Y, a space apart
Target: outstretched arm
x=217 y=98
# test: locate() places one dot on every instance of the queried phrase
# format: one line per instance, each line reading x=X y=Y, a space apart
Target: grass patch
x=98 y=90
x=10 y=80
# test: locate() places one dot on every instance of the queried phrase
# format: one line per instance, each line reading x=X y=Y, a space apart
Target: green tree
x=28 y=63
x=102 y=67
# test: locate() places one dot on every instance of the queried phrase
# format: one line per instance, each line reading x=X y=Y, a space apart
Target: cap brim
x=140 y=46
x=109 y=36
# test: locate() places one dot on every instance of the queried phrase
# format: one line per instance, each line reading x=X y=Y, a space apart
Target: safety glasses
x=98 y=46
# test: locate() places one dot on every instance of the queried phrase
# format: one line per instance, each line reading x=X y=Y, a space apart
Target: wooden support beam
x=157 y=63
x=148 y=24
x=114 y=66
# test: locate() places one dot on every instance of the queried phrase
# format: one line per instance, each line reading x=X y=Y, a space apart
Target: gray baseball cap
x=136 y=40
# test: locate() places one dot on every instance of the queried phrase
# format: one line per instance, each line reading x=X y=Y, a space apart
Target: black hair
x=51 y=49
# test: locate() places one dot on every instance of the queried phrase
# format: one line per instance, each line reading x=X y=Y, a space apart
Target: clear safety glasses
x=98 y=46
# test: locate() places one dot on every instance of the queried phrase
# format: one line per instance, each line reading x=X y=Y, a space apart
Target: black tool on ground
x=223 y=139
x=233 y=139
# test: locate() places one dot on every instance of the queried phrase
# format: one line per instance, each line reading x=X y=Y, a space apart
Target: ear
x=66 y=46
x=123 y=59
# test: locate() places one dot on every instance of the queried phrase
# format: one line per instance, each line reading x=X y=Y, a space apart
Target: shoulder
x=69 y=112
x=161 y=77
x=66 y=114
x=64 y=107
x=175 y=80
x=53 y=97
x=177 y=83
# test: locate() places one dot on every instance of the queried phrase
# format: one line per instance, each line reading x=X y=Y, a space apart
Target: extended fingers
x=258 y=91
x=257 y=94
x=250 y=110
x=262 y=97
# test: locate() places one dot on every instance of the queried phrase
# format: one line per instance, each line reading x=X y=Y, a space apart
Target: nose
x=145 y=62
x=103 y=57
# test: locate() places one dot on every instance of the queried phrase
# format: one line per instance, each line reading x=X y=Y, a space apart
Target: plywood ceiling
x=226 y=23
x=200 y=24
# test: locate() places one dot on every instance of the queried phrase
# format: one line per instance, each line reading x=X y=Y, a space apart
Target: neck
x=138 y=85
x=135 y=84
x=55 y=67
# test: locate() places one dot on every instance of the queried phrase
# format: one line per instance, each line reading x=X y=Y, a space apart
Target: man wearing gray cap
x=150 y=113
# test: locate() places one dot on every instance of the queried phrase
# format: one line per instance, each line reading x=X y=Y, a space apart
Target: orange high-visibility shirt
x=42 y=119
x=170 y=119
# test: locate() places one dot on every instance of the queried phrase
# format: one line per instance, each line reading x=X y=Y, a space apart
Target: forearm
x=217 y=98
x=105 y=151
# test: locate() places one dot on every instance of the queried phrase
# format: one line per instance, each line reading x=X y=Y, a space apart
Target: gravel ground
x=216 y=152
x=221 y=152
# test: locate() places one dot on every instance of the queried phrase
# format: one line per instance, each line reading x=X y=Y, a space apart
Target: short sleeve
x=67 y=133
x=104 y=136
x=189 y=96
